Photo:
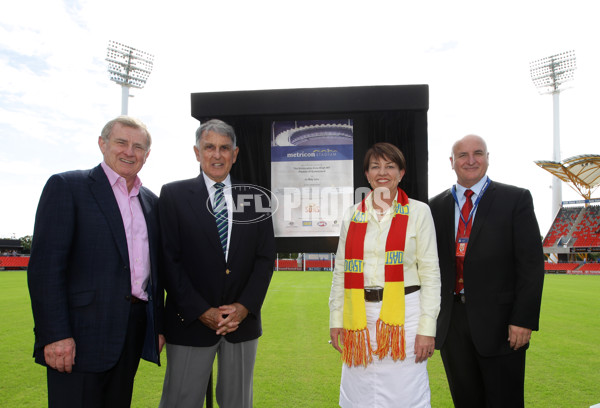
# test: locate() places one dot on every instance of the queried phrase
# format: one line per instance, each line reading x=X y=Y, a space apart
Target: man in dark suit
x=219 y=249
x=96 y=298
x=489 y=311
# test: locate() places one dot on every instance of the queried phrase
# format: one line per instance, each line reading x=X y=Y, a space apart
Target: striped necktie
x=221 y=216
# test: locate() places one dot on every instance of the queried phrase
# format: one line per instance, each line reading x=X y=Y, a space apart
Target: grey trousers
x=189 y=368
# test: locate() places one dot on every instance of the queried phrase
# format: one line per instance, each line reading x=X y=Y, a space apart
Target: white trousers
x=388 y=383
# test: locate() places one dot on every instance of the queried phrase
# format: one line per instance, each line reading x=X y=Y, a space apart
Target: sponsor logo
x=248 y=203
x=312 y=208
x=301 y=154
x=313 y=154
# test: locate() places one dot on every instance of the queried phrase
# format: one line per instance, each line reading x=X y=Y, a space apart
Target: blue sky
x=55 y=94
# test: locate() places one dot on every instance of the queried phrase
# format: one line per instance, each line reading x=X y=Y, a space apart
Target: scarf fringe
x=357 y=348
x=390 y=337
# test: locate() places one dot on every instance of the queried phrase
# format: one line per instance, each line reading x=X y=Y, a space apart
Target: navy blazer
x=503 y=268
x=79 y=274
x=197 y=277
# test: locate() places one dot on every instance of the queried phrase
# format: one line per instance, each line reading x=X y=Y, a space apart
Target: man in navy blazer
x=216 y=282
x=485 y=327
x=93 y=274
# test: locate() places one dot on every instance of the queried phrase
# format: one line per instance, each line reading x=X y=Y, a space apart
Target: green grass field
x=296 y=367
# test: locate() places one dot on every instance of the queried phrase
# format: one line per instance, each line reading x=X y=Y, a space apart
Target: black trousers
x=476 y=381
x=112 y=388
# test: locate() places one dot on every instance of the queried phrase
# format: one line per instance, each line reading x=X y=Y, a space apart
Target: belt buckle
x=373 y=293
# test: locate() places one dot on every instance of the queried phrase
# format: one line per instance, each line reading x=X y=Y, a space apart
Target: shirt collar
x=114 y=177
x=371 y=209
x=476 y=188
x=210 y=183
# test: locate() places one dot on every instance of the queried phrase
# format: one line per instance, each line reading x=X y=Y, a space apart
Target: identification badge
x=461 y=246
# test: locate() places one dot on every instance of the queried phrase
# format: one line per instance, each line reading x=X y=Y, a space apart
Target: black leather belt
x=459 y=297
x=376 y=294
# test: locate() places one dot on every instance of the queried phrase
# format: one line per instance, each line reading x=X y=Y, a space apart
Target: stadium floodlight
x=549 y=75
x=128 y=67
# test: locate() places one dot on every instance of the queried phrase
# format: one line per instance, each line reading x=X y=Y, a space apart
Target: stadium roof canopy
x=581 y=172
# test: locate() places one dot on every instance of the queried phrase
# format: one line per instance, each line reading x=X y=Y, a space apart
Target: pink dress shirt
x=136 y=230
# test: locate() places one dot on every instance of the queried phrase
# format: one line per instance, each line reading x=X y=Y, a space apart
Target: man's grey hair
x=126 y=121
x=217 y=126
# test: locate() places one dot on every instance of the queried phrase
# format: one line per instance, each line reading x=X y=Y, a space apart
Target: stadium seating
x=287 y=265
x=591 y=268
x=321 y=265
x=586 y=233
x=309 y=264
x=14 y=262
x=562 y=225
x=582 y=224
x=563 y=266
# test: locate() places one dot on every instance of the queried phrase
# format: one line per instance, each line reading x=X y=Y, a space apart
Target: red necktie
x=463 y=231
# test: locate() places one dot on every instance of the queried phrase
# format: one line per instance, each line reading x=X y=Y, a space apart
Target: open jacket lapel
x=102 y=192
x=146 y=204
x=199 y=204
x=237 y=213
x=483 y=211
x=449 y=228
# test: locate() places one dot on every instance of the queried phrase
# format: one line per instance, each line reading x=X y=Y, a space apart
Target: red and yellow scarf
x=390 y=325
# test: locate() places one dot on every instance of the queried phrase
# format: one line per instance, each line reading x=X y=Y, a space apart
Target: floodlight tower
x=128 y=67
x=548 y=75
